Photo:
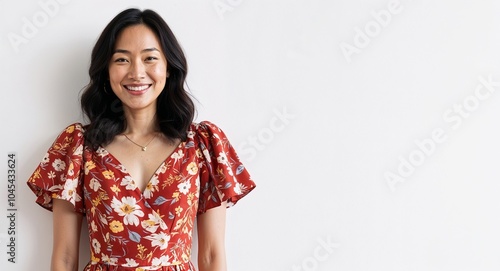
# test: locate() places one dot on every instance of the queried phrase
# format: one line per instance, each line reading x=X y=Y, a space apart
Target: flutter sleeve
x=58 y=176
x=223 y=178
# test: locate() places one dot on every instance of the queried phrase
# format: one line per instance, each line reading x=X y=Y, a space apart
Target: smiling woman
x=138 y=69
x=141 y=172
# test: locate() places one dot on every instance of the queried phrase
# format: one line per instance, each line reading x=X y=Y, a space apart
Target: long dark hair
x=175 y=109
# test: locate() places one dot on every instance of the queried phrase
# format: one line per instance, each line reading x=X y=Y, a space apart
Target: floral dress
x=130 y=230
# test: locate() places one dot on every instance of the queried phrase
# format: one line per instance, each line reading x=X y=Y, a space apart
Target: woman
x=140 y=171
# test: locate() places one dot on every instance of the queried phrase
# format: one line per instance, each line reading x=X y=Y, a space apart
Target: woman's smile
x=137 y=89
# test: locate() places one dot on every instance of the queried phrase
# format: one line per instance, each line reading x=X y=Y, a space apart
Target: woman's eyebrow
x=123 y=51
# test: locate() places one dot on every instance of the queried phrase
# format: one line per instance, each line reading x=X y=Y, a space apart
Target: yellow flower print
x=36 y=175
x=175 y=195
x=116 y=226
x=178 y=224
x=93 y=257
x=70 y=129
x=89 y=165
x=96 y=201
x=185 y=257
x=178 y=210
x=192 y=168
x=115 y=188
x=141 y=252
x=108 y=174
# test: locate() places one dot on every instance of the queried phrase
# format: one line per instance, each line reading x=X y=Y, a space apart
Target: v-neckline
x=125 y=171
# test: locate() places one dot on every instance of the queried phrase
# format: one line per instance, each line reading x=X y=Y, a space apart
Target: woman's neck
x=140 y=123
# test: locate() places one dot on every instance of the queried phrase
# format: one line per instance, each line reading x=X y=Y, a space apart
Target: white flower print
x=78 y=151
x=190 y=134
x=96 y=245
x=178 y=155
x=162 y=261
x=184 y=187
x=131 y=262
x=151 y=187
x=207 y=155
x=230 y=171
x=128 y=182
x=222 y=158
x=70 y=172
x=237 y=188
x=153 y=223
x=159 y=240
x=197 y=181
x=121 y=168
x=105 y=258
x=129 y=209
x=58 y=164
x=94 y=184
x=51 y=175
x=46 y=159
x=163 y=168
x=103 y=220
x=93 y=226
x=69 y=190
x=101 y=152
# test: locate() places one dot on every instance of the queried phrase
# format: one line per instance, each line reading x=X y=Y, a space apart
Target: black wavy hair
x=175 y=108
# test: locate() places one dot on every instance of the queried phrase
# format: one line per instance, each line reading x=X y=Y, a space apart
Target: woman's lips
x=137 y=89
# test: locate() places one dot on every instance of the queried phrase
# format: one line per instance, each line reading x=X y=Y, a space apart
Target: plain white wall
x=325 y=101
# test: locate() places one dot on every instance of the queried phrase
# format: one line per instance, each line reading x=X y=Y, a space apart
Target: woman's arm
x=211 y=246
x=67 y=226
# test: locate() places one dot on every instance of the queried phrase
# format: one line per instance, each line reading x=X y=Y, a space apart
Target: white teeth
x=137 y=88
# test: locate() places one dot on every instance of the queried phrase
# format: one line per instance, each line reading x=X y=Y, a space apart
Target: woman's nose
x=137 y=71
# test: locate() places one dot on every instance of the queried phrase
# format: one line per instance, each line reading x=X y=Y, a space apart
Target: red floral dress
x=130 y=230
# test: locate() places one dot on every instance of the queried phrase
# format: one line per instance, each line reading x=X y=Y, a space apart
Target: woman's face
x=138 y=68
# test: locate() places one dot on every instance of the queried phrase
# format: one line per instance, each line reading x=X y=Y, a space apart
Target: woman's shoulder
x=204 y=129
x=76 y=129
x=71 y=136
x=75 y=126
x=204 y=126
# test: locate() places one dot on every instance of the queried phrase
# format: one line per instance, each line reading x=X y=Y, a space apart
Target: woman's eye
x=151 y=58
x=120 y=60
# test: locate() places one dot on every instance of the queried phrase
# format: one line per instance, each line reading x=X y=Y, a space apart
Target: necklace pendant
x=144 y=148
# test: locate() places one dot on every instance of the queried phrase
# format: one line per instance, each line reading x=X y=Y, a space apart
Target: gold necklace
x=145 y=147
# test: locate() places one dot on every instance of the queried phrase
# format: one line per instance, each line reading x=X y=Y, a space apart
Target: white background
x=319 y=129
